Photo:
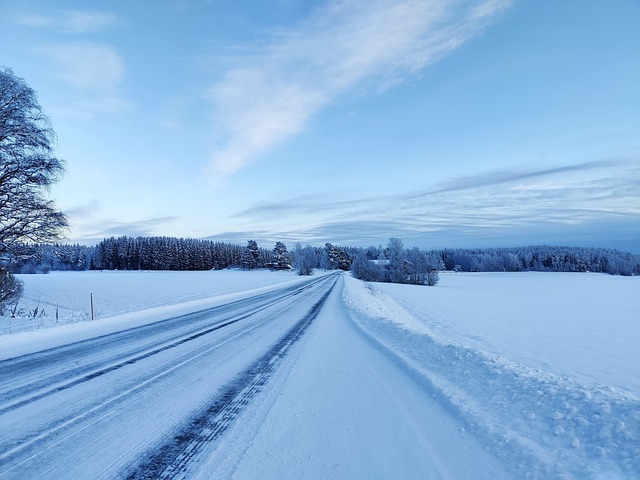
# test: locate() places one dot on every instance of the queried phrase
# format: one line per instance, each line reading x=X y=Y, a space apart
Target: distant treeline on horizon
x=168 y=253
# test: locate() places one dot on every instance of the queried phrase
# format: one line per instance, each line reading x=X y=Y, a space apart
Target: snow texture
x=516 y=357
x=122 y=299
x=531 y=375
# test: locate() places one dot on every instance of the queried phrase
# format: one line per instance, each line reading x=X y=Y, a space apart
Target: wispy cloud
x=95 y=230
x=273 y=91
x=94 y=71
x=87 y=66
x=522 y=174
x=73 y=21
x=594 y=180
x=518 y=203
x=83 y=211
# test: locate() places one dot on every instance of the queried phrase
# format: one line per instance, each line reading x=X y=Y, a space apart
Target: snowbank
x=545 y=424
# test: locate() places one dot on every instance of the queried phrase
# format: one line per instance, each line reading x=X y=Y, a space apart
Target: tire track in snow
x=169 y=461
x=109 y=405
x=122 y=398
x=19 y=397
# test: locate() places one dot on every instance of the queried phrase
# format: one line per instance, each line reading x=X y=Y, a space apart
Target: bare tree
x=27 y=168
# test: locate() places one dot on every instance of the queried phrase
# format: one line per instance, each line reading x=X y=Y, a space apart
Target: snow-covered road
x=142 y=402
x=326 y=377
x=341 y=408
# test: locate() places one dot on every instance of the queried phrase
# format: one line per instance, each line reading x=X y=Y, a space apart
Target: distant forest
x=167 y=253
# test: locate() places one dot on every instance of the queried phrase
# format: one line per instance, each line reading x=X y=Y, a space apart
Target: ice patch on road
x=543 y=424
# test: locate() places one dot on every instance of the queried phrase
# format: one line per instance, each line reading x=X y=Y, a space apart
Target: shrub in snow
x=366 y=270
x=10 y=288
x=305 y=260
x=396 y=265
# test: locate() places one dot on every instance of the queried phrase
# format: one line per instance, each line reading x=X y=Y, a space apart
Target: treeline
x=42 y=258
x=169 y=253
x=409 y=265
x=166 y=253
x=542 y=259
x=140 y=253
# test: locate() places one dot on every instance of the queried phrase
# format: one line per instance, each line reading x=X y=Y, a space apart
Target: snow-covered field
x=542 y=369
x=118 y=292
x=124 y=298
x=586 y=326
x=545 y=368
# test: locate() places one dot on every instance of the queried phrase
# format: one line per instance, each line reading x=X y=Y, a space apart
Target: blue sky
x=447 y=123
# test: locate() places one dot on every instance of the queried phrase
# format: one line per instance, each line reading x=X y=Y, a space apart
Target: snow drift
x=544 y=424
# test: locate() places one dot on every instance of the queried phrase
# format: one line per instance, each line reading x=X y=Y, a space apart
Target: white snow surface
x=122 y=299
x=543 y=367
x=340 y=409
x=501 y=375
x=586 y=326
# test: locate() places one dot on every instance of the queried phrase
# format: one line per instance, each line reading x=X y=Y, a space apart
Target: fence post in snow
x=91 y=295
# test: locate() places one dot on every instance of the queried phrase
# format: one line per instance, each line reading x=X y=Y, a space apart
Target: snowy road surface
x=341 y=408
x=140 y=403
x=279 y=385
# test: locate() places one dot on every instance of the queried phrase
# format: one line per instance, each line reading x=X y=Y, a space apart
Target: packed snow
x=340 y=409
x=121 y=299
x=542 y=370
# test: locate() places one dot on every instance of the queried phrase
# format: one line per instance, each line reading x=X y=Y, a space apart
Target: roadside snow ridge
x=542 y=424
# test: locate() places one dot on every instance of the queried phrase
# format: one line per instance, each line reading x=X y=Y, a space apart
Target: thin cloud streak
x=273 y=92
x=73 y=21
x=94 y=71
x=508 y=176
x=621 y=180
x=83 y=211
x=456 y=232
x=87 y=66
x=97 y=230
x=589 y=193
